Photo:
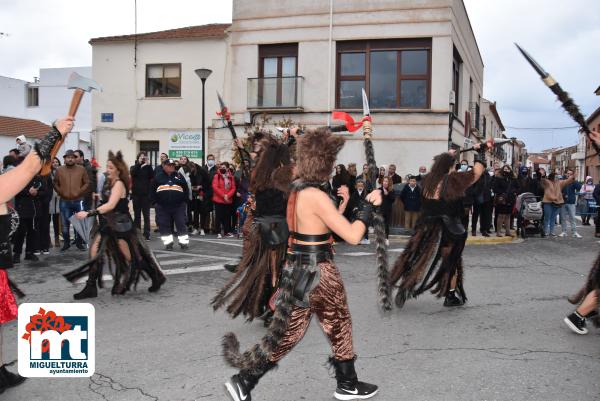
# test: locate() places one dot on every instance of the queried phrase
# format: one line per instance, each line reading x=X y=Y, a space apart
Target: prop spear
x=567 y=103
x=226 y=117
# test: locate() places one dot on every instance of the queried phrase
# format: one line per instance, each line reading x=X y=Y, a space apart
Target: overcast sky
x=562 y=35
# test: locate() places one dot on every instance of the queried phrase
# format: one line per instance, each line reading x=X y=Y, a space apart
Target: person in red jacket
x=223 y=193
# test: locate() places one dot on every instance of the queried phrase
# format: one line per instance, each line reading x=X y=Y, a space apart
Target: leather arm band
x=44 y=146
x=364 y=212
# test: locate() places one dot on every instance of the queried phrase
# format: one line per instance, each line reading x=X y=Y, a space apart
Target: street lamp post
x=203 y=74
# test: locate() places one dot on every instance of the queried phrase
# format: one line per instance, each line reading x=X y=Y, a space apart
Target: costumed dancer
x=265 y=242
x=310 y=282
x=432 y=259
x=11 y=183
x=587 y=297
x=116 y=238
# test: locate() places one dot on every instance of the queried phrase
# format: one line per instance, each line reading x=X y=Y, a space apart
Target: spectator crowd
x=190 y=199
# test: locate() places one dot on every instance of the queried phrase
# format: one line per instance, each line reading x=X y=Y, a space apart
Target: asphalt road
x=507 y=343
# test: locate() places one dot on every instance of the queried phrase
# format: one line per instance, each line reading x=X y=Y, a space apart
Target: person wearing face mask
x=553 y=200
x=505 y=188
x=223 y=186
x=587 y=191
x=208 y=206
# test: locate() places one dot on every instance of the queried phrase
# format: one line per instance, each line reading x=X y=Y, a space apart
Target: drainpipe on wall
x=330 y=62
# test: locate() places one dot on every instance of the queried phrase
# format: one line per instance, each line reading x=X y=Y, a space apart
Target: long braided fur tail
x=255 y=359
x=383 y=285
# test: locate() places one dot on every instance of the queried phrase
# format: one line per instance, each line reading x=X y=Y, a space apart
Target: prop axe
x=226 y=117
x=80 y=84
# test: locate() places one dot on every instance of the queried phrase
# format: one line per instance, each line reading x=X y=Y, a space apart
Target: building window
x=277 y=72
x=456 y=64
x=33 y=98
x=163 y=80
x=396 y=74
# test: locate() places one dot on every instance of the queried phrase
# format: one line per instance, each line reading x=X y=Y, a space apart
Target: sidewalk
x=477 y=240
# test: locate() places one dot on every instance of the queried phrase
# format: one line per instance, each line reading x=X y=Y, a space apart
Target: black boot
x=89 y=291
x=348 y=386
x=8 y=379
x=16 y=258
x=452 y=299
x=240 y=385
x=157 y=277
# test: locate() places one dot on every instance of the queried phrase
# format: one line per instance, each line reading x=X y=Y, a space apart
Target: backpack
x=533 y=211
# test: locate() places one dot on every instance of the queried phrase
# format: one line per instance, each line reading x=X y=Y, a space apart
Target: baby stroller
x=529 y=215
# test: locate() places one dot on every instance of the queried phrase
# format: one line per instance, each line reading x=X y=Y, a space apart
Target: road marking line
x=189 y=254
x=168 y=272
x=184 y=261
x=354 y=254
x=213 y=241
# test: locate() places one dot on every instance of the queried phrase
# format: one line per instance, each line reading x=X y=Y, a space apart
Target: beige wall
x=406 y=138
x=139 y=118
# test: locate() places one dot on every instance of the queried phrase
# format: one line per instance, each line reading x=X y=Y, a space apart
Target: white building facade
x=151 y=94
x=46 y=99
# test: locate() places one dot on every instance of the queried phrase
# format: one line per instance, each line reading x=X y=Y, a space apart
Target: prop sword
x=383 y=286
x=567 y=103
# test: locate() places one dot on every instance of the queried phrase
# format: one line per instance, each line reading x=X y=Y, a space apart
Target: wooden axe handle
x=75 y=101
x=77 y=96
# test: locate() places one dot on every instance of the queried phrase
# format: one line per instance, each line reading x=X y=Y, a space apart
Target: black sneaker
x=31 y=257
x=147 y=237
x=576 y=322
x=184 y=247
x=452 y=300
x=237 y=390
x=81 y=247
x=65 y=247
x=361 y=391
x=169 y=247
x=230 y=267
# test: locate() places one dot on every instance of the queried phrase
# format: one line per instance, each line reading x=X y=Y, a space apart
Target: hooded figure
x=23 y=146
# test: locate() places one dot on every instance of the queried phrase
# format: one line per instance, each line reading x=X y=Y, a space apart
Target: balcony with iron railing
x=275 y=94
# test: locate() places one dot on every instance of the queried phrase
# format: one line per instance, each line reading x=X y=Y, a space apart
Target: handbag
x=120 y=222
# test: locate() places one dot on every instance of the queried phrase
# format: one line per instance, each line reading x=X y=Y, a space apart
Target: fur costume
x=318 y=151
x=248 y=291
x=110 y=228
x=433 y=255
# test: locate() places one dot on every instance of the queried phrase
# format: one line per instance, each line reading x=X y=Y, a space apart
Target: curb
x=470 y=240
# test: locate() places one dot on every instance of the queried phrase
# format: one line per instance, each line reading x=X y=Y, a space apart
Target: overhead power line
x=543 y=128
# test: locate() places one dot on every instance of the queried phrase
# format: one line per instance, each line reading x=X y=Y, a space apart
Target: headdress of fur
x=121 y=166
x=441 y=165
x=316 y=153
x=273 y=155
